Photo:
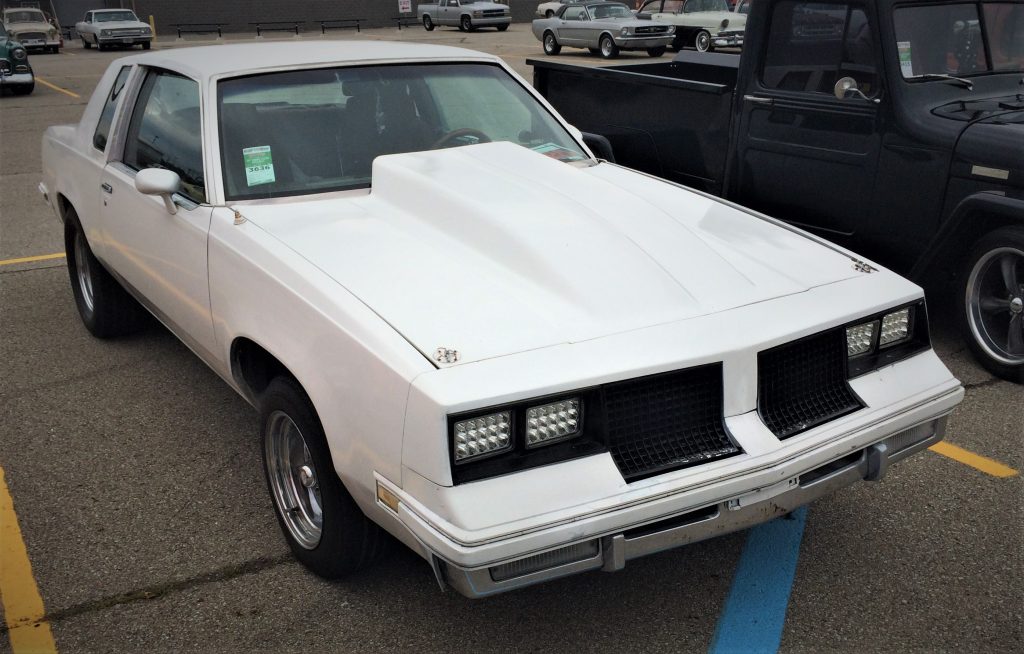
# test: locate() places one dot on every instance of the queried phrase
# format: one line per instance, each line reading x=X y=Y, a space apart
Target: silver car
x=602 y=27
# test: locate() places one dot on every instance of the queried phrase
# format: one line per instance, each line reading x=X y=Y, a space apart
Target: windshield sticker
x=906 y=66
x=259 y=165
x=556 y=151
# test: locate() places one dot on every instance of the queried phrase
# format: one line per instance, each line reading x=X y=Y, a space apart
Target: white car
x=549 y=9
x=30 y=27
x=521 y=361
x=701 y=24
x=105 y=28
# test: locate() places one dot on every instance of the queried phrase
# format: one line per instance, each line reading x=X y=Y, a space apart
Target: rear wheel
x=656 y=52
x=991 y=302
x=106 y=309
x=702 y=41
x=466 y=24
x=427 y=23
x=608 y=48
x=325 y=529
x=551 y=46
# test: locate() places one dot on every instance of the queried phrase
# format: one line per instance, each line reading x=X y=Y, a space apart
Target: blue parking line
x=755 y=610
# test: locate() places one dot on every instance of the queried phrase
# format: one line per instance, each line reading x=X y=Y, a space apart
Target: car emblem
x=446 y=355
x=862 y=266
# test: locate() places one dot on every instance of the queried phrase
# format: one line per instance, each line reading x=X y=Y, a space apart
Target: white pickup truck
x=551 y=365
x=467 y=15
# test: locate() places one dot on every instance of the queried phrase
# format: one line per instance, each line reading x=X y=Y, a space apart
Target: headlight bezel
x=19 y=54
x=879 y=355
x=520 y=456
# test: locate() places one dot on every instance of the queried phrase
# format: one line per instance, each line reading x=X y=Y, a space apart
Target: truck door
x=448 y=12
x=804 y=155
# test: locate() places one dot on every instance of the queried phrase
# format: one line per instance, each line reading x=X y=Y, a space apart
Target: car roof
x=246 y=58
x=107 y=11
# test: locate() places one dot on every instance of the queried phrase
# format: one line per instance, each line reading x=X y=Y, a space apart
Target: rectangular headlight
x=860 y=339
x=553 y=422
x=895 y=327
x=483 y=436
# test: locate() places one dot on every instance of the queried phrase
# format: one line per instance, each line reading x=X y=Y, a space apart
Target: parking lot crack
x=162 y=590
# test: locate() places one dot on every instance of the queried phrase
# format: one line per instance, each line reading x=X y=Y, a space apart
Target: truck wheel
x=427 y=23
x=702 y=41
x=551 y=46
x=656 y=52
x=86 y=44
x=466 y=24
x=502 y=28
x=608 y=48
x=325 y=529
x=146 y=45
x=106 y=309
x=991 y=305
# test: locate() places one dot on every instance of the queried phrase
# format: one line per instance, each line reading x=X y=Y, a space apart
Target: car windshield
x=960 y=39
x=25 y=16
x=610 y=11
x=314 y=131
x=111 y=16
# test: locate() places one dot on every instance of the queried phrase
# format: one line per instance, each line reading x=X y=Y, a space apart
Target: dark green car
x=15 y=71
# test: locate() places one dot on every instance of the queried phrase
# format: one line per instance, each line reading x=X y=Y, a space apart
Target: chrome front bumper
x=16 y=79
x=728 y=40
x=644 y=42
x=610 y=552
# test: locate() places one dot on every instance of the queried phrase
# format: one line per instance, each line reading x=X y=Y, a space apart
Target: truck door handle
x=754 y=99
x=107 y=188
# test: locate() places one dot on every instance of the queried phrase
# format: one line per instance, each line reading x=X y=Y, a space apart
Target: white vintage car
x=30 y=27
x=701 y=24
x=105 y=28
x=521 y=361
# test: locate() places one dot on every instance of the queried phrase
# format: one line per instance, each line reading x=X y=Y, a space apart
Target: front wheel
x=991 y=303
x=551 y=46
x=608 y=48
x=325 y=529
x=24 y=89
x=466 y=24
x=428 y=24
x=702 y=41
x=86 y=44
x=656 y=52
x=146 y=45
x=502 y=28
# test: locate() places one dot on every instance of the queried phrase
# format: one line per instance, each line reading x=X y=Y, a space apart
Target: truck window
x=165 y=131
x=812 y=44
x=99 y=138
x=1004 y=29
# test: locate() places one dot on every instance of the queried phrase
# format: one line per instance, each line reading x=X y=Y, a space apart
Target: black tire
x=146 y=45
x=551 y=46
x=106 y=309
x=427 y=23
x=656 y=52
x=607 y=46
x=702 y=41
x=466 y=24
x=348 y=540
x=502 y=28
x=23 y=89
x=991 y=302
x=86 y=44
x=101 y=47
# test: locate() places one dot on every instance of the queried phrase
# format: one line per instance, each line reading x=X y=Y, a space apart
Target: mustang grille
x=658 y=29
x=803 y=384
x=665 y=422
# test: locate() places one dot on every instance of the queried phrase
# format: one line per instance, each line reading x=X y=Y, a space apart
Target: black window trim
x=126 y=70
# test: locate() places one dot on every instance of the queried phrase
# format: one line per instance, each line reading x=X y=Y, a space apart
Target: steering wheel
x=446 y=140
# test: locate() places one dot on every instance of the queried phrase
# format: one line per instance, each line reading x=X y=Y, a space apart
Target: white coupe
x=521 y=361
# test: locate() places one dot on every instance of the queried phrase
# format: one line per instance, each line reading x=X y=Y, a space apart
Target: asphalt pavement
x=135 y=477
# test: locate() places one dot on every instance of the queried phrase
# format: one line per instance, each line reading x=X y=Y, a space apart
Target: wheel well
x=973 y=219
x=63 y=205
x=253 y=368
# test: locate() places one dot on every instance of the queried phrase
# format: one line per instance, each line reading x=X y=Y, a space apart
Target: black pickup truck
x=893 y=127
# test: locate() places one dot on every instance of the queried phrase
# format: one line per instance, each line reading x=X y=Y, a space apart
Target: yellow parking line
x=985 y=464
x=19 y=597
x=39 y=257
x=56 y=88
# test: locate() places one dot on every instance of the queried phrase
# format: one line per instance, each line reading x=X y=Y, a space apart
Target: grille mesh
x=665 y=422
x=803 y=384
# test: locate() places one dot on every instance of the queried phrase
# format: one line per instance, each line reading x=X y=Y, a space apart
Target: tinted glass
x=301 y=132
x=99 y=139
x=108 y=16
x=812 y=44
x=165 y=131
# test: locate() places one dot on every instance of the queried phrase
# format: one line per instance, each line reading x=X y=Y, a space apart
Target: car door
x=575 y=27
x=160 y=255
x=803 y=154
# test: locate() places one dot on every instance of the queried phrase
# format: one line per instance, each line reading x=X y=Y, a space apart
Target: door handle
x=754 y=99
x=107 y=188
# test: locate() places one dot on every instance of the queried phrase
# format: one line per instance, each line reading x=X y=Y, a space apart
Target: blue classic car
x=15 y=71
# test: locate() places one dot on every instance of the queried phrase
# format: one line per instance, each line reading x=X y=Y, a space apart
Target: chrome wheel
x=551 y=46
x=293 y=480
x=995 y=304
x=82 y=271
x=703 y=41
x=608 y=48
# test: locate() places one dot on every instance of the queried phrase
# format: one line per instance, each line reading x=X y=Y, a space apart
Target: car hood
x=493 y=249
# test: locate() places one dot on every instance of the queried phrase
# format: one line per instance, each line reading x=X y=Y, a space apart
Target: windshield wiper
x=968 y=84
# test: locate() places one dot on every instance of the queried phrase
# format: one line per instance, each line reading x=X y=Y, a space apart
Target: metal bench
x=199 y=28
x=340 y=24
x=277 y=26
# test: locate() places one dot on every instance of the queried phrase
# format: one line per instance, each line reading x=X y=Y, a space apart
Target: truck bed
x=686 y=105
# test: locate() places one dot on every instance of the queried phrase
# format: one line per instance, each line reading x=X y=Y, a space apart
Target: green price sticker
x=259 y=165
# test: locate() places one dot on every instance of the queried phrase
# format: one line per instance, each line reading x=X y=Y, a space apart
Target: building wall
x=237 y=14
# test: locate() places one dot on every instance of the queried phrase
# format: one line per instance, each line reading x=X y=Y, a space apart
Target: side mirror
x=158 y=181
x=847 y=86
x=600 y=146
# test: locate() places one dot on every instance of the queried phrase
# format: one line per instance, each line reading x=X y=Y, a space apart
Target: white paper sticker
x=259 y=165
x=906 y=64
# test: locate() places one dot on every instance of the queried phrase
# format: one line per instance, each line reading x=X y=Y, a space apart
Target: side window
x=651 y=7
x=574 y=13
x=99 y=139
x=165 y=131
x=812 y=44
x=673 y=6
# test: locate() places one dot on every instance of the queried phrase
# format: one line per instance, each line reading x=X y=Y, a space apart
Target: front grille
x=803 y=384
x=493 y=13
x=665 y=422
x=126 y=32
x=31 y=36
x=652 y=30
